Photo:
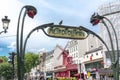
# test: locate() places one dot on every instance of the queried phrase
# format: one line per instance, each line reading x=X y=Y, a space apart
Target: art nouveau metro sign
x=67 y=32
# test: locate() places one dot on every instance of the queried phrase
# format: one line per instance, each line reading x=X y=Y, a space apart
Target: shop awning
x=60 y=68
x=71 y=66
x=78 y=74
x=105 y=72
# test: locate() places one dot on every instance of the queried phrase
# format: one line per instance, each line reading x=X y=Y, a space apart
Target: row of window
x=87 y=56
x=75 y=55
x=72 y=49
x=73 y=42
x=76 y=61
x=94 y=54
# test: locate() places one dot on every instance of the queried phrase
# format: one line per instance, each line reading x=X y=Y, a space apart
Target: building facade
x=112 y=12
x=94 y=62
x=49 y=64
x=63 y=66
x=79 y=49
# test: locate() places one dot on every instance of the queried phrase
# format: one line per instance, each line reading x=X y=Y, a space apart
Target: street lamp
x=20 y=44
x=31 y=12
x=95 y=19
x=6 y=22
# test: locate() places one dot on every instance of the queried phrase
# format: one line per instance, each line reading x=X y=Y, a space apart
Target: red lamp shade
x=95 y=22
x=31 y=13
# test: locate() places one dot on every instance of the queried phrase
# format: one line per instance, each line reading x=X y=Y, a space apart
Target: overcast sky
x=72 y=12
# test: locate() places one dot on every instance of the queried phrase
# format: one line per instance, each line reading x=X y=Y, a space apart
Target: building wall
x=73 y=50
x=57 y=56
x=109 y=9
x=96 y=56
x=112 y=12
x=49 y=62
x=77 y=48
x=87 y=44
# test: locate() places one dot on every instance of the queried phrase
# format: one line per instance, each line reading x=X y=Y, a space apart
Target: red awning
x=71 y=66
x=78 y=74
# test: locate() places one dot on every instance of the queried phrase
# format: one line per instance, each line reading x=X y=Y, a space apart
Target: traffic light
x=11 y=57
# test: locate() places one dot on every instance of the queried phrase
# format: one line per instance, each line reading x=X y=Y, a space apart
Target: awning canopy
x=105 y=72
x=78 y=74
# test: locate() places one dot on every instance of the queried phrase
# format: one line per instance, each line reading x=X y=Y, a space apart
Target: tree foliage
x=5 y=68
x=31 y=60
x=4 y=58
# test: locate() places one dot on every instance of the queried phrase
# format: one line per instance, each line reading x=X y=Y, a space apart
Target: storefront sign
x=66 y=32
x=62 y=74
x=71 y=66
x=58 y=67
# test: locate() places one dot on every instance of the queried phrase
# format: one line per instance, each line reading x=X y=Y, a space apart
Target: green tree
x=4 y=58
x=31 y=60
x=6 y=70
